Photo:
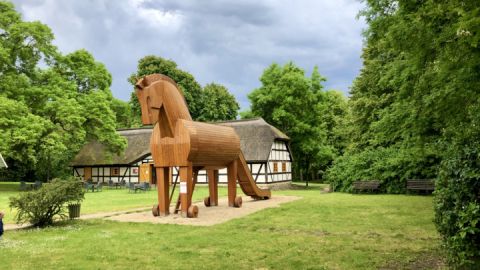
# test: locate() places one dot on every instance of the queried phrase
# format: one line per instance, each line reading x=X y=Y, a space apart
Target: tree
x=414 y=111
x=334 y=118
x=247 y=114
x=212 y=103
x=123 y=113
x=217 y=104
x=47 y=113
x=186 y=82
x=295 y=104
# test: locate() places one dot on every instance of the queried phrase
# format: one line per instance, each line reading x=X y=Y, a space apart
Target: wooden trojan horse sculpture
x=177 y=141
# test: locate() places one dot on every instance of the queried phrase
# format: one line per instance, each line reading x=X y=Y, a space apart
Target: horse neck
x=174 y=108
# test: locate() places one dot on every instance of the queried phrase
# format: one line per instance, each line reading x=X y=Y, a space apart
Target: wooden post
x=185 y=189
x=232 y=182
x=162 y=188
x=213 y=187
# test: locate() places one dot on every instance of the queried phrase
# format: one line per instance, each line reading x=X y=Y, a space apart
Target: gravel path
x=208 y=216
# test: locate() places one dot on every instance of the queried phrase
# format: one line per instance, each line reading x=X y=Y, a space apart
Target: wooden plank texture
x=178 y=141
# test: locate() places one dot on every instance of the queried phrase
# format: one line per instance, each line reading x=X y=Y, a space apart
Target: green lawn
x=320 y=231
x=7 y=190
x=105 y=201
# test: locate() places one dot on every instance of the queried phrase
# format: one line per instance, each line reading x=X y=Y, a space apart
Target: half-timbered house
x=266 y=150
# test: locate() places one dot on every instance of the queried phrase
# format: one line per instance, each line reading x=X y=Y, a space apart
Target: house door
x=87 y=173
x=145 y=173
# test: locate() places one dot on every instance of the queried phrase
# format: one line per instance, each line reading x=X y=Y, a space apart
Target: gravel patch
x=207 y=216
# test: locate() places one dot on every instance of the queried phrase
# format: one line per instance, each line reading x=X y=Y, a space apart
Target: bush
x=391 y=166
x=457 y=204
x=39 y=207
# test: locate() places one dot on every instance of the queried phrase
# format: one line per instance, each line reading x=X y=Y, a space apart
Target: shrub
x=457 y=204
x=39 y=207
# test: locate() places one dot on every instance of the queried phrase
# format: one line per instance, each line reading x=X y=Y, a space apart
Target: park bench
x=366 y=185
x=138 y=187
x=122 y=183
x=426 y=185
x=98 y=186
x=89 y=186
x=131 y=187
x=146 y=185
x=23 y=186
x=112 y=184
x=37 y=185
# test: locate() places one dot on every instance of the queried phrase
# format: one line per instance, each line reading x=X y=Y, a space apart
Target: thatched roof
x=256 y=138
x=138 y=148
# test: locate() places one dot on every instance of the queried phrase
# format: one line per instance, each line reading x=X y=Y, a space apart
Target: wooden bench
x=427 y=185
x=366 y=185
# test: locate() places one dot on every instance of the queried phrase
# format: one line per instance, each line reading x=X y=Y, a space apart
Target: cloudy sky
x=227 y=42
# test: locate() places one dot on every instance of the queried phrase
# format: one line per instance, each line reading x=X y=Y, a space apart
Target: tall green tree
x=123 y=113
x=218 y=104
x=247 y=114
x=211 y=103
x=297 y=105
x=190 y=87
x=414 y=111
x=48 y=113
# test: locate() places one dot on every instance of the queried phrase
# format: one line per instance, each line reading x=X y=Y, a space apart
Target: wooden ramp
x=247 y=183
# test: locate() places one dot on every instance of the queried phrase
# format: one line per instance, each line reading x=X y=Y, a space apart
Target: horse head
x=161 y=101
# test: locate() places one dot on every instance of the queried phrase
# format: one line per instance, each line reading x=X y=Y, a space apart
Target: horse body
x=178 y=141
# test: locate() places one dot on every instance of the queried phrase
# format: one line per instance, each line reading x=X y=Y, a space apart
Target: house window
x=284 y=167
x=115 y=171
x=275 y=167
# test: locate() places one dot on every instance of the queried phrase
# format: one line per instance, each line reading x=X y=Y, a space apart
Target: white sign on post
x=2 y=162
x=183 y=187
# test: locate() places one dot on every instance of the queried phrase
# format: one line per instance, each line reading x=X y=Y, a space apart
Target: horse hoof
x=192 y=211
x=155 y=210
x=206 y=201
x=238 y=202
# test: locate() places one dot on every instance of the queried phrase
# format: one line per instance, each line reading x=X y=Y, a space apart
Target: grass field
x=105 y=201
x=320 y=231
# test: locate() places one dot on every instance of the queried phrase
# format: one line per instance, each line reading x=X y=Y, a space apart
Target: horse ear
x=140 y=84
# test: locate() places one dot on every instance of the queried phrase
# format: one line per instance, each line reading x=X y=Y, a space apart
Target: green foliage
x=123 y=113
x=247 y=114
x=217 y=104
x=87 y=74
x=457 y=195
x=51 y=104
x=414 y=109
x=212 y=103
x=297 y=105
x=186 y=82
x=391 y=166
x=334 y=118
x=41 y=206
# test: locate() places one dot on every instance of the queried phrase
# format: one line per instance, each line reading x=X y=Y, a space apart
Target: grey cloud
x=235 y=12
x=225 y=42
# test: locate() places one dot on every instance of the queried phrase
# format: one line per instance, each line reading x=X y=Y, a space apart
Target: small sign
x=2 y=162
x=183 y=187
x=135 y=171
